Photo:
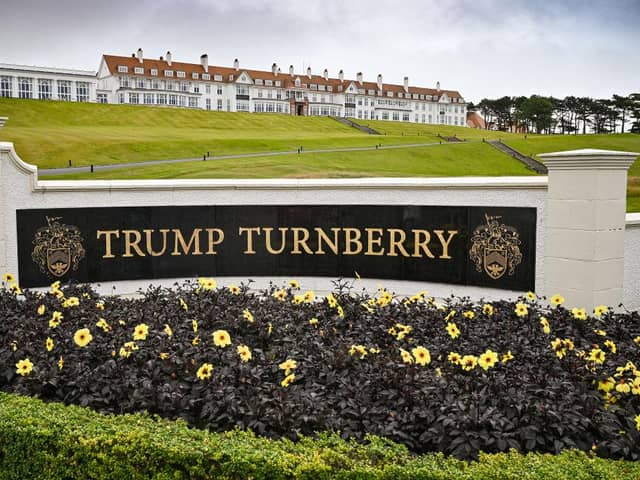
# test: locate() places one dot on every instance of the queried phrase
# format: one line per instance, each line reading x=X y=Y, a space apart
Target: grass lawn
x=437 y=160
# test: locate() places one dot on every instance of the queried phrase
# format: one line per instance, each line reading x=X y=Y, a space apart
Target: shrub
x=530 y=377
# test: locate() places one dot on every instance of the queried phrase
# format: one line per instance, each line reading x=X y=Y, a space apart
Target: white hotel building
x=136 y=80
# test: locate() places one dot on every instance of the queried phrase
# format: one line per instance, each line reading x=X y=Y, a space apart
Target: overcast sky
x=482 y=48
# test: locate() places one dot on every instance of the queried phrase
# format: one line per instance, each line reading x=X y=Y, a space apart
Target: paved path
x=116 y=166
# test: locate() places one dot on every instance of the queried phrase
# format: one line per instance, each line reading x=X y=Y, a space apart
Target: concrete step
x=530 y=163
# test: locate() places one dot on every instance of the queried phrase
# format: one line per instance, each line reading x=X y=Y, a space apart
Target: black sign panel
x=484 y=246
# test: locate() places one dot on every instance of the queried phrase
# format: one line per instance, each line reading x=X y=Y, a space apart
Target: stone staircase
x=530 y=163
x=3 y=120
x=353 y=124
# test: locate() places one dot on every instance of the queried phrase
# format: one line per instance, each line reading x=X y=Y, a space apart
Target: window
x=133 y=98
x=206 y=76
x=161 y=98
x=278 y=83
x=148 y=98
x=5 y=86
x=389 y=93
x=44 y=89
x=195 y=75
x=242 y=106
x=208 y=103
x=193 y=102
x=156 y=85
x=180 y=74
x=219 y=105
x=297 y=82
x=82 y=92
x=182 y=101
x=258 y=107
x=140 y=83
x=268 y=83
x=138 y=70
x=173 y=99
x=385 y=115
x=217 y=78
x=184 y=86
x=231 y=77
x=219 y=89
x=405 y=117
x=207 y=88
x=396 y=116
x=121 y=97
x=101 y=98
x=313 y=86
x=228 y=104
x=168 y=73
x=329 y=88
x=258 y=81
x=64 y=90
x=196 y=88
x=25 y=87
x=124 y=82
x=122 y=69
x=154 y=72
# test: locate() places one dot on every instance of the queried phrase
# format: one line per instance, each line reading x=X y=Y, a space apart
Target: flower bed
x=455 y=377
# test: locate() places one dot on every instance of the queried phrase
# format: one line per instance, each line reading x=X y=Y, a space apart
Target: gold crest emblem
x=495 y=248
x=57 y=248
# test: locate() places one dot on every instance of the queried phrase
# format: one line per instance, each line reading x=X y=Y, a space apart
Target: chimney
x=341 y=75
x=291 y=70
x=309 y=72
x=204 y=60
x=139 y=55
x=359 y=77
x=325 y=74
x=406 y=84
x=168 y=57
x=379 y=82
x=438 y=86
x=236 y=64
x=274 y=69
x=161 y=58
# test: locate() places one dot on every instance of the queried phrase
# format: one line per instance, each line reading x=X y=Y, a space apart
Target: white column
x=584 y=239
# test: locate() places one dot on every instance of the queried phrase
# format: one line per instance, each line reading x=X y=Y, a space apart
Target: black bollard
x=91 y=168
x=69 y=162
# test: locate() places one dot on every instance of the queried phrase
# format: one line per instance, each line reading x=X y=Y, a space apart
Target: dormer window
x=138 y=70
x=399 y=94
x=154 y=72
x=122 y=69
x=258 y=81
x=206 y=76
x=278 y=83
x=217 y=78
x=321 y=87
x=329 y=88
x=297 y=83
x=168 y=73
x=370 y=92
x=180 y=74
x=268 y=83
x=195 y=75
x=313 y=86
x=361 y=91
x=389 y=93
x=339 y=88
x=231 y=77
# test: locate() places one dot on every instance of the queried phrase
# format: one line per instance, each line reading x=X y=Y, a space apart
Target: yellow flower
x=15 y=289
x=55 y=320
x=195 y=341
x=507 y=357
x=234 y=289
x=247 y=315
x=60 y=363
x=309 y=296
x=623 y=386
x=205 y=371
x=221 y=338
x=602 y=333
x=280 y=295
x=636 y=340
x=367 y=307
x=184 y=305
x=488 y=359
x=454 y=358
x=521 y=309
x=163 y=355
x=597 y=356
x=297 y=299
x=340 y=311
x=82 y=337
x=207 y=283
x=288 y=380
x=606 y=385
x=422 y=355
x=41 y=309
x=270 y=329
x=374 y=350
x=102 y=323
x=545 y=325
x=8 y=278
x=452 y=330
x=406 y=356
x=568 y=343
x=559 y=347
x=14 y=345
x=531 y=296
x=487 y=309
x=468 y=362
x=49 y=344
x=294 y=284
x=600 y=310
x=244 y=352
x=469 y=314
x=288 y=365
x=100 y=305
x=438 y=372
x=167 y=330
x=392 y=331
x=332 y=300
x=313 y=321
x=579 y=313
x=359 y=350
x=610 y=345
x=194 y=326
x=450 y=315
x=637 y=419
x=140 y=332
x=24 y=367
x=557 y=300
x=71 y=302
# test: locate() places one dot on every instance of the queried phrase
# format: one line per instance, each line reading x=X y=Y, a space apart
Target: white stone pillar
x=584 y=239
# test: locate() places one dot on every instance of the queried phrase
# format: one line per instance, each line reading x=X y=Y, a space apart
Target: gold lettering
x=129 y=243
x=283 y=243
x=394 y=242
x=180 y=242
x=371 y=241
x=249 y=231
x=322 y=236
x=421 y=245
x=445 y=243
x=107 y=241
x=352 y=236
x=148 y=233
x=213 y=241
x=300 y=237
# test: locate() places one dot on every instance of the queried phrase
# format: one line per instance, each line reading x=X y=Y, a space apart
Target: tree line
x=569 y=115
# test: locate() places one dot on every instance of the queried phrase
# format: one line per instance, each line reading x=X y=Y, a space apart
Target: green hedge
x=53 y=441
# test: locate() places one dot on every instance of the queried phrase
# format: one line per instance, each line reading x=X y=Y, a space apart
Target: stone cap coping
x=589 y=159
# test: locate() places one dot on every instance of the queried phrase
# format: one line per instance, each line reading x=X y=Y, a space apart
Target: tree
x=539 y=111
